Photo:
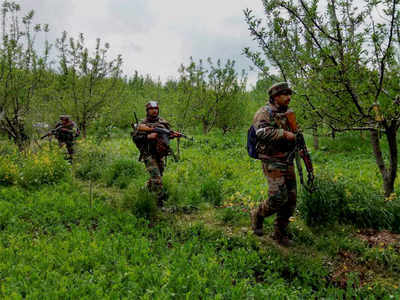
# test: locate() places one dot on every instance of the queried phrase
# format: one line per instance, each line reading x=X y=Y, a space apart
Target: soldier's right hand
x=290 y=136
x=152 y=136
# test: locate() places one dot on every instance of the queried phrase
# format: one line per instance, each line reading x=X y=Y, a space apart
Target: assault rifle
x=302 y=151
x=54 y=131
x=164 y=135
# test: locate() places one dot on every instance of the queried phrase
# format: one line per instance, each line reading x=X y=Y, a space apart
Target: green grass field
x=92 y=230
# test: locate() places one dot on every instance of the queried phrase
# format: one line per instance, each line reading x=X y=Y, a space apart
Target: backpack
x=252 y=139
x=251 y=142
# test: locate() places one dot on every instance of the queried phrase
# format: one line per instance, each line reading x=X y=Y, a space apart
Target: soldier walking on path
x=66 y=132
x=152 y=136
x=275 y=144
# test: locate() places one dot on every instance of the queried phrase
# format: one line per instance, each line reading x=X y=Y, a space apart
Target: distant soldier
x=275 y=146
x=65 y=132
x=152 y=138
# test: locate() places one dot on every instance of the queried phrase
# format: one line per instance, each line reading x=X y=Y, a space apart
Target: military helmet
x=65 y=117
x=279 y=88
x=151 y=104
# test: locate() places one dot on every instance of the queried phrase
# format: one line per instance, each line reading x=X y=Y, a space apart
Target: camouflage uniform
x=274 y=150
x=155 y=163
x=66 y=135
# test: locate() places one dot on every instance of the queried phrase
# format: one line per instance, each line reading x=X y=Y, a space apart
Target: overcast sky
x=154 y=36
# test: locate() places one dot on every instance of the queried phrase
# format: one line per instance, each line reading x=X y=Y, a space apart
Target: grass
x=120 y=246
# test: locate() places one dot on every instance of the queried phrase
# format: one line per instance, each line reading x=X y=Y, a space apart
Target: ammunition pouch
x=162 y=149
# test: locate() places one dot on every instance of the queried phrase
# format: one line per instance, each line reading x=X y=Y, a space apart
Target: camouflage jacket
x=270 y=125
x=146 y=146
x=67 y=132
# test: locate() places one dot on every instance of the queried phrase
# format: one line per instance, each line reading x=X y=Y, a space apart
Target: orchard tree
x=212 y=95
x=343 y=61
x=22 y=70
x=89 y=81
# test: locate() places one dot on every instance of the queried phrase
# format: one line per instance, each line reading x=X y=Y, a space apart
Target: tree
x=88 y=81
x=342 y=60
x=212 y=95
x=22 y=70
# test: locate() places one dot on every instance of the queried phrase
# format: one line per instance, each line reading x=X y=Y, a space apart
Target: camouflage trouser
x=155 y=167
x=281 y=194
x=70 y=147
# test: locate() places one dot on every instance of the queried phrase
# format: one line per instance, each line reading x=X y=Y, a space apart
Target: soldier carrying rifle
x=278 y=143
x=65 y=132
x=152 y=136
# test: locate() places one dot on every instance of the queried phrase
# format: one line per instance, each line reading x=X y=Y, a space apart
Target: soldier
x=275 y=144
x=154 y=148
x=65 y=132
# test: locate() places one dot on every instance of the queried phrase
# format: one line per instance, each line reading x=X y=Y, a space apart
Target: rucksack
x=252 y=139
x=251 y=142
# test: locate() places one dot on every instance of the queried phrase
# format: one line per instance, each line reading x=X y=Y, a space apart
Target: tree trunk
x=83 y=128
x=388 y=173
x=315 y=138
x=16 y=132
x=205 y=126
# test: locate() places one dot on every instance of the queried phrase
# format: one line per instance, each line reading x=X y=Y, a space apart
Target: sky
x=155 y=36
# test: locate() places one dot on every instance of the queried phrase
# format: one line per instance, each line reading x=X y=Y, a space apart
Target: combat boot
x=281 y=237
x=257 y=222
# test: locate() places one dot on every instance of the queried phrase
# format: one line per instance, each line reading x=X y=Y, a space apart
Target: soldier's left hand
x=152 y=136
x=176 y=134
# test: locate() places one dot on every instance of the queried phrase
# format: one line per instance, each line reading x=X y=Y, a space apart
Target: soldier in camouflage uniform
x=66 y=131
x=152 y=151
x=275 y=143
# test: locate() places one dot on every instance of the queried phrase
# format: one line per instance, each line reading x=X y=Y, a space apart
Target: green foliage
x=22 y=70
x=233 y=215
x=141 y=202
x=212 y=96
x=9 y=170
x=43 y=168
x=90 y=161
x=134 y=250
x=31 y=169
x=211 y=191
x=121 y=171
x=183 y=195
x=339 y=200
x=88 y=81
x=331 y=65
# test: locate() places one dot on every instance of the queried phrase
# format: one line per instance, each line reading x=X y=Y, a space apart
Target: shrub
x=8 y=170
x=182 y=196
x=91 y=161
x=121 y=171
x=42 y=168
x=140 y=201
x=231 y=215
x=211 y=191
x=340 y=200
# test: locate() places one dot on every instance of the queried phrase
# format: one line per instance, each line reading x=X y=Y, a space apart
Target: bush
x=211 y=191
x=43 y=168
x=140 y=201
x=91 y=161
x=339 y=200
x=33 y=169
x=8 y=170
x=182 y=196
x=121 y=171
x=232 y=215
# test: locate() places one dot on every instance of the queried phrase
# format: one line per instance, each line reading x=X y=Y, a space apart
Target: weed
x=140 y=202
x=121 y=172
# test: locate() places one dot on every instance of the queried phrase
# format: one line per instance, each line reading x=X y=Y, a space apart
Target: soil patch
x=375 y=238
